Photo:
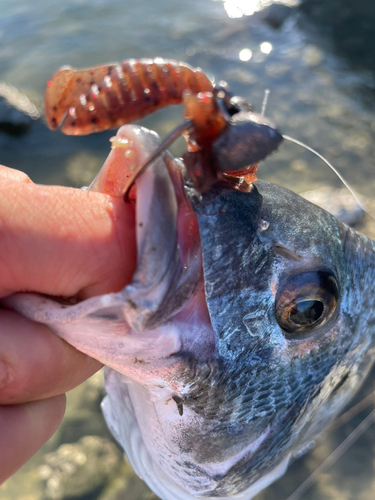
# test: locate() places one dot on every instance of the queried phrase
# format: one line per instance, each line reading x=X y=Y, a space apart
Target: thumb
x=63 y=241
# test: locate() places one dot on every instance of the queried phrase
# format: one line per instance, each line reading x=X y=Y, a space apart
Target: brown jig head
x=224 y=137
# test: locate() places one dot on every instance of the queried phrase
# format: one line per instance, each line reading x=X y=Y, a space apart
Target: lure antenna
x=265 y=101
x=180 y=129
x=346 y=184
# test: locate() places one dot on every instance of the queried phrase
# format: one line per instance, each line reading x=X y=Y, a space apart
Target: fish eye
x=306 y=302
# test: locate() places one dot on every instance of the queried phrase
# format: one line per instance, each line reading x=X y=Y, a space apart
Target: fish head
x=284 y=286
x=245 y=330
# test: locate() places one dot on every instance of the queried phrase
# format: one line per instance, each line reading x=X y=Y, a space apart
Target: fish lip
x=185 y=213
x=164 y=175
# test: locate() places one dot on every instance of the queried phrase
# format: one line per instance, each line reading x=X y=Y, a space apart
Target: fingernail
x=4 y=374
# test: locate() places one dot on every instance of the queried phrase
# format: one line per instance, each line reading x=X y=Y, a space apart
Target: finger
x=24 y=428
x=12 y=174
x=36 y=364
x=61 y=241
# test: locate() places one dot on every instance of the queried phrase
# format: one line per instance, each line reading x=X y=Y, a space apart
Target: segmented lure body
x=91 y=100
x=223 y=134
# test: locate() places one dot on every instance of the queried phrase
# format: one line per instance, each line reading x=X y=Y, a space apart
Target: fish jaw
x=137 y=323
x=119 y=409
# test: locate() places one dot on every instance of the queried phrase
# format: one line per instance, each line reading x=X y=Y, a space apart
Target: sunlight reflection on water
x=239 y=8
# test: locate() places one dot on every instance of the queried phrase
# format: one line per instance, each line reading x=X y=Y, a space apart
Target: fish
x=247 y=327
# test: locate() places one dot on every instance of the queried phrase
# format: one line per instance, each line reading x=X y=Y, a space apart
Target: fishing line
x=350 y=414
x=346 y=184
x=332 y=459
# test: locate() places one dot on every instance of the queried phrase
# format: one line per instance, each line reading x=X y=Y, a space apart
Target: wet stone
x=243 y=76
x=126 y=485
x=276 y=14
x=78 y=469
x=312 y=56
x=83 y=414
x=299 y=166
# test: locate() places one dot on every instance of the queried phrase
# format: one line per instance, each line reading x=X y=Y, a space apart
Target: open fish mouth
x=138 y=322
x=169 y=267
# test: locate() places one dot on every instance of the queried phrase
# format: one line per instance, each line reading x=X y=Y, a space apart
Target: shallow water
x=322 y=92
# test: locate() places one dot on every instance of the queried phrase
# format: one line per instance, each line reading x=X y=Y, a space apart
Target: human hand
x=57 y=241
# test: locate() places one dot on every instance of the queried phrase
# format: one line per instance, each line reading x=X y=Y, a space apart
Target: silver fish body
x=235 y=345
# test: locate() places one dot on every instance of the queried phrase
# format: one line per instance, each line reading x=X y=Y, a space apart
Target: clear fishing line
x=346 y=184
x=332 y=459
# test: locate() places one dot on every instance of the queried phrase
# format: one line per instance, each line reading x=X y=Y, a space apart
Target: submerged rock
x=276 y=14
x=79 y=469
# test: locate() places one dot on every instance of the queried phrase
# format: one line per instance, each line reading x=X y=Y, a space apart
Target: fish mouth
x=139 y=321
x=169 y=257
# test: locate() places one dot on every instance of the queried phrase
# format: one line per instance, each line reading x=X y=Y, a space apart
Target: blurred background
x=317 y=58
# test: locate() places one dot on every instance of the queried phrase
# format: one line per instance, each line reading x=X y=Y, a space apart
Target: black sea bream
x=247 y=327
